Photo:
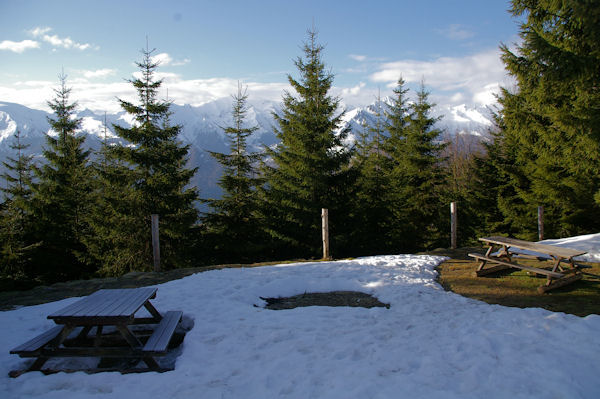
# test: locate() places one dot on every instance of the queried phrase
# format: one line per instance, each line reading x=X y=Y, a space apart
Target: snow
x=461 y=113
x=589 y=243
x=430 y=343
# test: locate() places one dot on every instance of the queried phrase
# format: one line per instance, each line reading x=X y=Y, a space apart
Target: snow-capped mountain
x=203 y=130
x=453 y=120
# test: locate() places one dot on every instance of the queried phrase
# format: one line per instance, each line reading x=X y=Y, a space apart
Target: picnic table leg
x=153 y=311
x=553 y=283
x=98 y=337
x=135 y=343
x=504 y=252
x=84 y=332
x=129 y=337
x=41 y=360
x=483 y=262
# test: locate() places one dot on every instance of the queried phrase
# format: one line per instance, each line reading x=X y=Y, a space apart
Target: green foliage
x=232 y=226
x=16 y=215
x=370 y=198
x=146 y=176
x=550 y=124
x=308 y=170
x=61 y=195
x=419 y=199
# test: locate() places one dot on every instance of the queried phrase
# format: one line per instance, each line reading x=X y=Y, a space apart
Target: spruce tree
x=307 y=170
x=397 y=117
x=419 y=176
x=16 y=214
x=147 y=175
x=232 y=223
x=551 y=122
x=371 y=200
x=61 y=193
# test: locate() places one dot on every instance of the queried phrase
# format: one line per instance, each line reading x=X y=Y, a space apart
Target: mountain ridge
x=202 y=129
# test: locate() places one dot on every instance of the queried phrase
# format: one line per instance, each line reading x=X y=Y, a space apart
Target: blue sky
x=207 y=46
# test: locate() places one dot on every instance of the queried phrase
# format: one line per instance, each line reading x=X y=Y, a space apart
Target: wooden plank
x=552 y=250
x=38 y=342
x=518 y=266
x=83 y=306
x=139 y=298
x=114 y=306
x=490 y=270
x=561 y=282
x=113 y=352
x=17 y=373
x=105 y=306
x=159 y=341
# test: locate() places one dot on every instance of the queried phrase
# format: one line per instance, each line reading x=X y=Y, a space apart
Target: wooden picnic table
x=102 y=310
x=503 y=258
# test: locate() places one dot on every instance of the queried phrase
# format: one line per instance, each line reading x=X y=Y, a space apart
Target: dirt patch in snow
x=335 y=298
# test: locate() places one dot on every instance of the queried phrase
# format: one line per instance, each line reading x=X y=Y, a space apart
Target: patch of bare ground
x=335 y=298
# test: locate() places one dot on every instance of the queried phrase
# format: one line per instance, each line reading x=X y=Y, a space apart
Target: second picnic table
x=558 y=276
x=104 y=309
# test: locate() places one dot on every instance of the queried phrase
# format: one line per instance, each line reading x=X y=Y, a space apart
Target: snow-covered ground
x=429 y=344
x=589 y=243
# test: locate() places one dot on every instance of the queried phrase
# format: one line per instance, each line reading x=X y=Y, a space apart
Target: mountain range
x=203 y=130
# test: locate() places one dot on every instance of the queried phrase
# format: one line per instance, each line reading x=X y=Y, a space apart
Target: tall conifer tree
x=397 y=117
x=371 y=201
x=61 y=195
x=551 y=123
x=307 y=170
x=16 y=214
x=148 y=176
x=232 y=220
x=418 y=174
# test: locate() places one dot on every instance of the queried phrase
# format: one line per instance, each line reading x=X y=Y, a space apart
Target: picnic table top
x=552 y=250
x=105 y=306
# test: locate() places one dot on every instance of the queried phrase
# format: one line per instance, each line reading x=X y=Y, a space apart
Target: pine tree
x=16 y=215
x=371 y=200
x=147 y=176
x=308 y=169
x=419 y=176
x=18 y=174
x=551 y=123
x=397 y=117
x=232 y=221
x=61 y=194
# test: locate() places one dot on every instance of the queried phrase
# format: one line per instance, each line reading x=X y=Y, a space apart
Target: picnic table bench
x=102 y=310
x=557 y=276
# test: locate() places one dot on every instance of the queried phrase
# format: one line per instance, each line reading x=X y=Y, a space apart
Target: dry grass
x=518 y=288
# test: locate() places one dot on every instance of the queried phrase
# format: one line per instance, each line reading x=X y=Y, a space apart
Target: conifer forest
x=77 y=214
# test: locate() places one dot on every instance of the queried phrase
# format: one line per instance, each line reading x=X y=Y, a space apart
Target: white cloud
x=18 y=47
x=353 y=91
x=66 y=42
x=102 y=96
x=39 y=31
x=357 y=57
x=487 y=95
x=475 y=76
x=163 y=59
x=182 y=62
x=456 y=32
x=57 y=41
x=99 y=73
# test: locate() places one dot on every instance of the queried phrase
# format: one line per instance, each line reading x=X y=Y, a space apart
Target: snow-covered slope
x=203 y=129
x=430 y=343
